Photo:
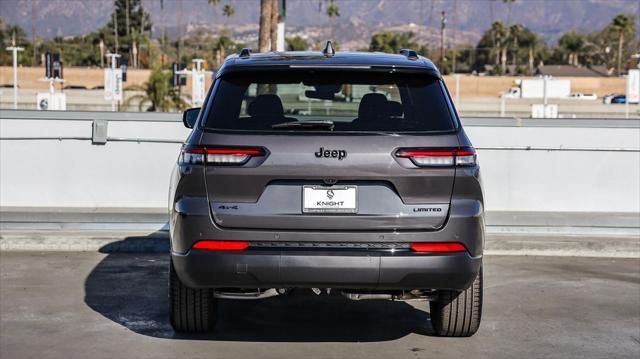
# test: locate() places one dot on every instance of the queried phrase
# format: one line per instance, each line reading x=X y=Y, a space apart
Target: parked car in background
x=619 y=99
x=583 y=96
x=75 y=87
x=614 y=98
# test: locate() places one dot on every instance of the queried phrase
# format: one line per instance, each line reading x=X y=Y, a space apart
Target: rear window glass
x=329 y=101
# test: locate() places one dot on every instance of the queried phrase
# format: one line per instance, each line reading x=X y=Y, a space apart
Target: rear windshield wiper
x=307 y=125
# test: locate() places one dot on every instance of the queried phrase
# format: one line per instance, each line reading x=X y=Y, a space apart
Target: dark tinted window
x=349 y=101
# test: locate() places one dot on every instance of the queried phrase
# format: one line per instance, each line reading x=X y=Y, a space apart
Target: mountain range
x=466 y=19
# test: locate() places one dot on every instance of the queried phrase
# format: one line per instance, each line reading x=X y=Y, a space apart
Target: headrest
x=373 y=106
x=266 y=105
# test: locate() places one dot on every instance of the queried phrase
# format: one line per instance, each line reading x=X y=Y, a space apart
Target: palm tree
x=573 y=43
x=264 y=34
x=228 y=11
x=332 y=11
x=508 y=2
x=531 y=41
x=515 y=31
x=273 y=29
x=158 y=94
x=499 y=35
x=622 y=24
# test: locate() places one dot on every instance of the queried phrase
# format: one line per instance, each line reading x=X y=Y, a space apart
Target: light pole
x=197 y=81
x=114 y=61
x=443 y=23
x=15 y=50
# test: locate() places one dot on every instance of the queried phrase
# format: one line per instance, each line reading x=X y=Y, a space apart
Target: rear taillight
x=219 y=155
x=439 y=157
x=211 y=245
x=438 y=247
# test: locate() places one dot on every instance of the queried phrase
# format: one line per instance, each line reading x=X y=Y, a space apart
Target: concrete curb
x=158 y=242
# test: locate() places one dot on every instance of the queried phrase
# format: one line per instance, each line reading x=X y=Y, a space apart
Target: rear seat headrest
x=266 y=105
x=373 y=106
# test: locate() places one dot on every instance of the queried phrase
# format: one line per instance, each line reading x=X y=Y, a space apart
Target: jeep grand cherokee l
x=344 y=173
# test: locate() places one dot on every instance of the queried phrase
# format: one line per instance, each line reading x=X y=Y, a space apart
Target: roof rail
x=410 y=54
x=328 y=50
x=245 y=53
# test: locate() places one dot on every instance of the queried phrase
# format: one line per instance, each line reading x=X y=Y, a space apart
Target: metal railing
x=105 y=117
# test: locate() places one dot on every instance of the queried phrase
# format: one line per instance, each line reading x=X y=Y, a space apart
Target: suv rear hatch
x=329 y=150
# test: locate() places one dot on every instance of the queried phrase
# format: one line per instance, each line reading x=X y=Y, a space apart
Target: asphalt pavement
x=100 y=305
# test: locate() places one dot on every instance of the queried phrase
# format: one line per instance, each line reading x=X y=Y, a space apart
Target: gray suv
x=344 y=173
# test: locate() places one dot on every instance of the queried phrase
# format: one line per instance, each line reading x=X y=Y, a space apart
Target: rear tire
x=191 y=310
x=458 y=314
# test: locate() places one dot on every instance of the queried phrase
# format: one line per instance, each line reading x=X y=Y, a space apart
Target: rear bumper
x=190 y=222
x=353 y=268
x=325 y=269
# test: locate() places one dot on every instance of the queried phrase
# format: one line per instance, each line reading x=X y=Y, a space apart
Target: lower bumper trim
x=326 y=269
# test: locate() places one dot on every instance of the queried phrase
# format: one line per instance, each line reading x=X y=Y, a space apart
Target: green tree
x=532 y=42
x=132 y=21
x=333 y=11
x=622 y=24
x=515 y=31
x=10 y=35
x=75 y=51
x=224 y=46
x=392 y=42
x=158 y=94
x=296 y=43
x=524 y=46
x=572 y=45
x=228 y=10
x=499 y=34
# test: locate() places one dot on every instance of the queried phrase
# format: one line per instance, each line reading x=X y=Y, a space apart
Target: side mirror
x=190 y=116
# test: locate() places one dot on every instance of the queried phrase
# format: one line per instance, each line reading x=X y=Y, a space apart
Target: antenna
x=328 y=50
x=410 y=54
x=245 y=53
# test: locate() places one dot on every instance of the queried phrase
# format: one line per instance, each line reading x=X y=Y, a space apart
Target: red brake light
x=235 y=151
x=439 y=157
x=219 y=155
x=438 y=247
x=419 y=153
x=221 y=245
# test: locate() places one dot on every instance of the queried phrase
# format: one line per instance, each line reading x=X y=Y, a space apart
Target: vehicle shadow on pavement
x=131 y=289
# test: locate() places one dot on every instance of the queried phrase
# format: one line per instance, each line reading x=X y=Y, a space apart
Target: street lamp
x=14 y=49
x=443 y=23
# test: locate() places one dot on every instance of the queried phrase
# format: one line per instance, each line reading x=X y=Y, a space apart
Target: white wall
x=578 y=181
x=75 y=173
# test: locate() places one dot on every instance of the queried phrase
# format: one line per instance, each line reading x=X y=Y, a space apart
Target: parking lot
x=79 y=305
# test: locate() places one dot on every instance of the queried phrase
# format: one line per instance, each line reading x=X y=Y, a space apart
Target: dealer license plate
x=334 y=199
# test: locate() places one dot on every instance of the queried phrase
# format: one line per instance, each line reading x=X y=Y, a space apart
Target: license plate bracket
x=329 y=199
